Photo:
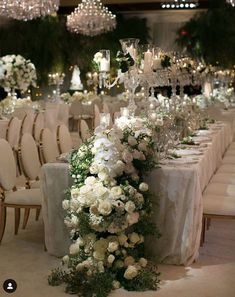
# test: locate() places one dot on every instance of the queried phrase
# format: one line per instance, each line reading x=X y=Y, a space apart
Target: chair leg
x=3 y=217
x=208 y=223
x=203 y=231
x=17 y=219
x=26 y=217
x=38 y=210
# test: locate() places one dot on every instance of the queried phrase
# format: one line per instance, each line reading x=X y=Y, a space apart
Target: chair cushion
x=229 y=159
x=24 y=197
x=226 y=168
x=218 y=205
x=224 y=178
x=220 y=189
x=35 y=184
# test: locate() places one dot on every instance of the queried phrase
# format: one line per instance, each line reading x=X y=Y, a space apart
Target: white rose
x=129 y=260
x=74 y=192
x=135 y=177
x=85 y=189
x=127 y=156
x=130 y=206
x=93 y=169
x=101 y=267
x=129 y=168
x=143 y=187
x=142 y=146
x=131 y=272
x=101 y=191
x=74 y=221
x=110 y=259
x=101 y=245
x=99 y=256
x=103 y=176
x=122 y=239
x=139 y=197
x=136 y=154
x=132 y=141
x=134 y=237
x=116 y=191
x=80 y=267
x=116 y=284
x=113 y=246
x=143 y=262
x=74 y=204
x=66 y=204
x=132 y=218
x=105 y=207
x=90 y=180
x=74 y=248
x=119 y=204
x=65 y=259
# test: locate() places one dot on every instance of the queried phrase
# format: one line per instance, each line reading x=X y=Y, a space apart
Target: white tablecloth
x=178 y=216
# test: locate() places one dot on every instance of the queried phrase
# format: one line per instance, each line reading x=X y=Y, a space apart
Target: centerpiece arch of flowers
x=108 y=212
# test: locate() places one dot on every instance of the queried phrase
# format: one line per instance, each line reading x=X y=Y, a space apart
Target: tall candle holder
x=56 y=79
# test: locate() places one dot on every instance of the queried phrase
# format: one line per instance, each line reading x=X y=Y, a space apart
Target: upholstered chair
x=97 y=116
x=27 y=124
x=84 y=130
x=38 y=125
x=48 y=147
x=64 y=140
x=9 y=195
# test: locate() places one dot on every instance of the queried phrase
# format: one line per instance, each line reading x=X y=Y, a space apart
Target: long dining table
x=178 y=185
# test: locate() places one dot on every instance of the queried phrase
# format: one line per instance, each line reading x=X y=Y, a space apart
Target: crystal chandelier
x=91 y=18
x=232 y=2
x=179 y=4
x=28 y=9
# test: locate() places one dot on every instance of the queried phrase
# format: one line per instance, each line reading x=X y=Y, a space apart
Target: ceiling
x=66 y=6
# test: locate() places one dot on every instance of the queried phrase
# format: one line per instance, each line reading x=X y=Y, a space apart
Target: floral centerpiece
x=17 y=73
x=108 y=212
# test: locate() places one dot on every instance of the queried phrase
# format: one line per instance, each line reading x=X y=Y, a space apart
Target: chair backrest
x=38 y=125
x=7 y=166
x=13 y=132
x=27 y=124
x=117 y=114
x=29 y=158
x=84 y=129
x=48 y=147
x=64 y=140
x=76 y=108
x=106 y=108
x=19 y=113
x=97 y=116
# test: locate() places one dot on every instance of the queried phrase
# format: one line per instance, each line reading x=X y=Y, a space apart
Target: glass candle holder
x=124 y=112
x=130 y=45
x=104 y=65
x=157 y=62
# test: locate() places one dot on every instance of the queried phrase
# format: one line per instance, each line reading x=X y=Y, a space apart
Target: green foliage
x=51 y=47
x=125 y=61
x=211 y=35
x=147 y=279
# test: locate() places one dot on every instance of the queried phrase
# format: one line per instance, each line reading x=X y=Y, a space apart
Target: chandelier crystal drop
x=179 y=4
x=91 y=18
x=28 y=9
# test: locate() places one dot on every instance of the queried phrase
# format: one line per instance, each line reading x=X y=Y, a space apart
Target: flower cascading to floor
x=108 y=212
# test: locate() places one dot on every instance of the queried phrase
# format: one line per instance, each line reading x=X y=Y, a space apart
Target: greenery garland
x=108 y=212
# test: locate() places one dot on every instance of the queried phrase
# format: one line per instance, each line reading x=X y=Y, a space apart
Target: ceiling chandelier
x=28 y=9
x=91 y=18
x=232 y=2
x=179 y=4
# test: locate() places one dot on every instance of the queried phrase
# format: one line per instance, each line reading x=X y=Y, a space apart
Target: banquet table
x=180 y=184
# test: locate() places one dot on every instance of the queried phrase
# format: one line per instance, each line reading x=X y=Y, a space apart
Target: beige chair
x=27 y=124
x=117 y=115
x=38 y=125
x=97 y=116
x=64 y=139
x=19 y=113
x=76 y=112
x=10 y=197
x=106 y=108
x=48 y=148
x=30 y=166
x=13 y=132
x=84 y=129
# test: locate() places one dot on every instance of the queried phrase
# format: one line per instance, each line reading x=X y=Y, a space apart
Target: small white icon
x=10 y=286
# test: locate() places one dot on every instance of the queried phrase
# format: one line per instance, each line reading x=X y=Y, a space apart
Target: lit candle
x=147 y=61
x=104 y=65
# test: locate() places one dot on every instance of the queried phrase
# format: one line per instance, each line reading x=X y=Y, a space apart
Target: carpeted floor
x=23 y=259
